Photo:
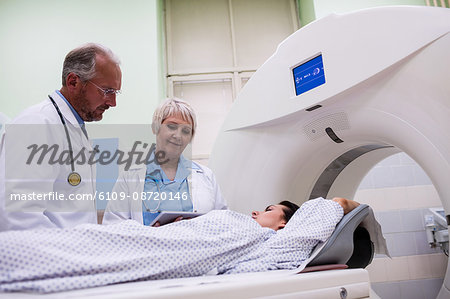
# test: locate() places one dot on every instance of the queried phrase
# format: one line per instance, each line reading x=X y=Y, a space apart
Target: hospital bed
x=382 y=87
x=332 y=255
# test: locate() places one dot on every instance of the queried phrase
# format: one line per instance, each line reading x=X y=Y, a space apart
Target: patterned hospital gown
x=52 y=260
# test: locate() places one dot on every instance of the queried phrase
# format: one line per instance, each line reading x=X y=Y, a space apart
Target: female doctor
x=175 y=184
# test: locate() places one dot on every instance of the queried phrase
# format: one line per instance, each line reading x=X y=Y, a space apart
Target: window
x=213 y=48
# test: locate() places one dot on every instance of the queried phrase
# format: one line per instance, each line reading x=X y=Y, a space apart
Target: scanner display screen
x=308 y=75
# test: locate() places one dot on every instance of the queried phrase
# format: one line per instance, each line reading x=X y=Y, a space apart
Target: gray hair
x=170 y=107
x=81 y=61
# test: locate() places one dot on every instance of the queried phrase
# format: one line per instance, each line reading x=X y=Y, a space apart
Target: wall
x=36 y=35
x=306 y=11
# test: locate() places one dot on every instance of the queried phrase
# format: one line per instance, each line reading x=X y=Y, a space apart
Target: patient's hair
x=289 y=209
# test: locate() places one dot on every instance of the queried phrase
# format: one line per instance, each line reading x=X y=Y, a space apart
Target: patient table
x=328 y=284
x=338 y=96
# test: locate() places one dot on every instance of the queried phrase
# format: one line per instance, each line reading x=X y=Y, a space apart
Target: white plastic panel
x=320 y=285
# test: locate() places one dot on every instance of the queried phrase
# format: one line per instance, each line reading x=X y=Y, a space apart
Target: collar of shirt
x=155 y=172
x=75 y=113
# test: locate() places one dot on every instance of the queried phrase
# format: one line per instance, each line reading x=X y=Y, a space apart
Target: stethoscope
x=74 y=178
x=157 y=210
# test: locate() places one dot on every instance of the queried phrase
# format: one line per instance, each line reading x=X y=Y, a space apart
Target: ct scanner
x=339 y=95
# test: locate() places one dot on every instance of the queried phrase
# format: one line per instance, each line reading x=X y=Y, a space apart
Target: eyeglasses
x=107 y=91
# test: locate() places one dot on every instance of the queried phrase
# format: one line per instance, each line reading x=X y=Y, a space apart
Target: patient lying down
x=276 y=216
x=52 y=260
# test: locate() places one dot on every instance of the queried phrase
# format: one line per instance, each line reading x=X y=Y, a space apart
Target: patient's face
x=272 y=217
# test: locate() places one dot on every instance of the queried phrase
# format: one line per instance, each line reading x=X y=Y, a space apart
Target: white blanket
x=52 y=260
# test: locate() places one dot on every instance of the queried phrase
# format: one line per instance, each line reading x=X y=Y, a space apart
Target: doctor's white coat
x=205 y=193
x=38 y=195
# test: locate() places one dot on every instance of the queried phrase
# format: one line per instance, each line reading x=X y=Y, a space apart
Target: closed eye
x=269 y=208
x=187 y=131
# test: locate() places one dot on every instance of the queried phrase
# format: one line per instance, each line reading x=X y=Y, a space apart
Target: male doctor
x=47 y=178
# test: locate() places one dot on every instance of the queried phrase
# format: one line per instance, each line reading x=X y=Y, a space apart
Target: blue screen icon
x=308 y=75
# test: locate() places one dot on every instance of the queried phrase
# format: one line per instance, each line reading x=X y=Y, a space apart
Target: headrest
x=349 y=244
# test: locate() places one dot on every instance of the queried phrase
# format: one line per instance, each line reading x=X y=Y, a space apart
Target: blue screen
x=309 y=75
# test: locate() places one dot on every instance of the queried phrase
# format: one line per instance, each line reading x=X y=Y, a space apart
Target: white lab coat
x=205 y=193
x=41 y=124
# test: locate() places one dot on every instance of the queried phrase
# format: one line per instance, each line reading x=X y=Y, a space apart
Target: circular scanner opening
x=401 y=193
